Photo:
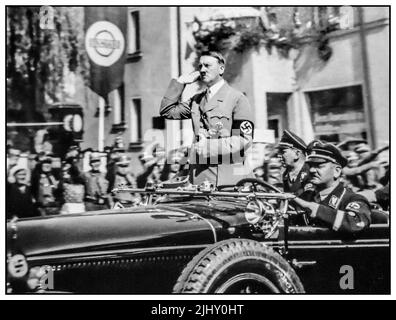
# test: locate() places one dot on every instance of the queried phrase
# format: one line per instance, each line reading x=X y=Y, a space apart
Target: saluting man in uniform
x=292 y=150
x=96 y=185
x=333 y=205
x=123 y=177
x=222 y=122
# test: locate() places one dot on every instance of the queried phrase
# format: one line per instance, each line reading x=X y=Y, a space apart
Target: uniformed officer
x=45 y=187
x=292 y=150
x=123 y=177
x=333 y=205
x=96 y=185
x=13 y=156
x=115 y=153
x=73 y=156
x=222 y=122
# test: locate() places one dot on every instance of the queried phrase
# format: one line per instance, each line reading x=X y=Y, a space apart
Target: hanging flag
x=105 y=31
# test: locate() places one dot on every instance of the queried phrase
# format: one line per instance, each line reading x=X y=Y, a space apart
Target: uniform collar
x=215 y=88
x=333 y=192
x=215 y=100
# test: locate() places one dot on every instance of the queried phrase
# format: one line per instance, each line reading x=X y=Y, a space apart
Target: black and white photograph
x=175 y=150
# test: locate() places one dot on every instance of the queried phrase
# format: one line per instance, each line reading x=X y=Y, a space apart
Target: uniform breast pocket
x=220 y=124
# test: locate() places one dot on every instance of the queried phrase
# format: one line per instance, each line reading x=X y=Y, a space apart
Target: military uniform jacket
x=343 y=210
x=96 y=185
x=298 y=185
x=218 y=120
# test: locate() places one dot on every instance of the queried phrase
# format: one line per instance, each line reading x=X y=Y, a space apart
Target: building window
x=338 y=114
x=277 y=112
x=158 y=123
x=133 y=33
x=116 y=101
x=275 y=123
x=135 y=120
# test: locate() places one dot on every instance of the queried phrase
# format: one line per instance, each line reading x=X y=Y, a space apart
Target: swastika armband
x=353 y=207
x=243 y=128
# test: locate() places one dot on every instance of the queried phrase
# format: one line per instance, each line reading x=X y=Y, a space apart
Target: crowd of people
x=43 y=188
x=366 y=172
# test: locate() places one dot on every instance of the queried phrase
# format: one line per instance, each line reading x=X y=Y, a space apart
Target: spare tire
x=238 y=266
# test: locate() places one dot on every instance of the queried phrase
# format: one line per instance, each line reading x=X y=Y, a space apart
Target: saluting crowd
x=223 y=125
x=366 y=171
x=42 y=188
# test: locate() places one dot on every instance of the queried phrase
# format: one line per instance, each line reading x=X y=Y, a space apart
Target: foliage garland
x=38 y=59
x=228 y=35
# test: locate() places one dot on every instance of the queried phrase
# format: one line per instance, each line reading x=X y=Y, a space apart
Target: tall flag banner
x=105 y=33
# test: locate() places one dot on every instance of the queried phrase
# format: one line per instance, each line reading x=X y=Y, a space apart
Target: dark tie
x=207 y=95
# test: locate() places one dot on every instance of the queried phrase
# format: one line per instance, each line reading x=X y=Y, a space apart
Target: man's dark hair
x=220 y=58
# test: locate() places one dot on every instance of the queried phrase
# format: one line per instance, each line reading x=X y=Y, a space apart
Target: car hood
x=168 y=224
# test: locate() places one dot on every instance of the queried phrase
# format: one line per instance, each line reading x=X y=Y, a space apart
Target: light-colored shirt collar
x=215 y=88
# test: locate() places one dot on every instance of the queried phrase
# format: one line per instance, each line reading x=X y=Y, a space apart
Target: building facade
x=346 y=95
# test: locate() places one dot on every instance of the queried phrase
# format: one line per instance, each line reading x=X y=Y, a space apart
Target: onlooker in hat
x=13 y=156
x=44 y=187
x=366 y=155
x=354 y=172
x=332 y=204
x=173 y=166
x=362 y=149
x=351 y=174
x=72 y=189
x=117 y=150
x=123 y=177
x=149 y=160
x=96 y=186
x=72 y=152
x=20 y=202
x=73 y=156
x=292 y=151
x=350 y=143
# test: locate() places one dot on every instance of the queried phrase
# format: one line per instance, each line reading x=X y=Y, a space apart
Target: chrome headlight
x=254 y=212
x=17 y=266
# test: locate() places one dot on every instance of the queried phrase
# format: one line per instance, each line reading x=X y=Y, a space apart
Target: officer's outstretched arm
x=360 y=169
x=171 y=107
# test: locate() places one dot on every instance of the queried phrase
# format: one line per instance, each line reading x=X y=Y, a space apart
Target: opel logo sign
x=73 y=122
x=104 y=43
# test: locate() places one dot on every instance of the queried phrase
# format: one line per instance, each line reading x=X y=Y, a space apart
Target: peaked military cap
x=124 y=160
x=291 y=140
x=362 y=147
x=93 y=157
x=320 y=152
x=350 y=143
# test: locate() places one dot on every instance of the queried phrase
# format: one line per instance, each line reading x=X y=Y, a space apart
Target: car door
x=328 y=262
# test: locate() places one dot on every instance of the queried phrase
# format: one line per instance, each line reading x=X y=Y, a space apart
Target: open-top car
x=242 y=239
